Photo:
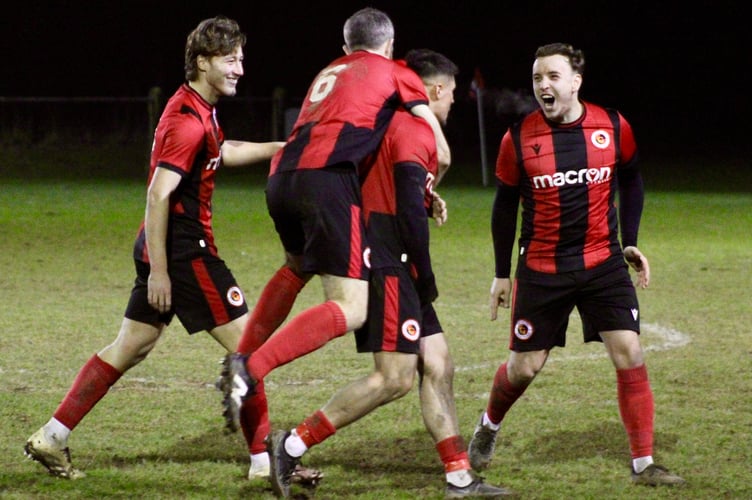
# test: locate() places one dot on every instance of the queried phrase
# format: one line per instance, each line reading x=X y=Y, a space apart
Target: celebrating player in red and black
x=565 y=164
x=313 y=196
x=178 y=270
x=403 y=331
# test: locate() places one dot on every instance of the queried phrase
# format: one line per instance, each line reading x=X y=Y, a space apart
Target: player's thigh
x=205 y=294
x=608 y=302
x=541 y=305
x=394 y=314
x=345 y=290
x=228 y=335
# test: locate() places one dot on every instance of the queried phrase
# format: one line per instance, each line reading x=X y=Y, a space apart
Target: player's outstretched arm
x=241 y=153
x=639 y=263
x=442 y=146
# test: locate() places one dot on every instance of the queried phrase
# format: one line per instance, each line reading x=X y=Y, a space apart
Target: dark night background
x=679 y=73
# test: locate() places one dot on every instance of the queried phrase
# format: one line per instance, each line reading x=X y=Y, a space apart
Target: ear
x=389 y=49
x=346 y=49
x=576 y=82
x=202 y=62
x=438 y=88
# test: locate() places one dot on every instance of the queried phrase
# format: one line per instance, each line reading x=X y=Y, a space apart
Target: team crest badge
x=235 y=296
x=600 y=139
x=523 y=330
x=411 y=330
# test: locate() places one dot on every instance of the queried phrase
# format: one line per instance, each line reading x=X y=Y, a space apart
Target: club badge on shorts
x=411 y=330
x=235 y=296
x=523 y=330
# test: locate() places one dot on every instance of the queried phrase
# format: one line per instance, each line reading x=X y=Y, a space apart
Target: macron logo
x=571 y=177
x=635 y=314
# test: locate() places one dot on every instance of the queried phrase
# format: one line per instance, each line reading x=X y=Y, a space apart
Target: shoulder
x=183 y=119
x=408 y=127
x=597 y=109
x=535 y=120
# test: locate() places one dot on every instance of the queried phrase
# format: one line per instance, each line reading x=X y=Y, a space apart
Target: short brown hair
x=216 y=36
x=575 y=56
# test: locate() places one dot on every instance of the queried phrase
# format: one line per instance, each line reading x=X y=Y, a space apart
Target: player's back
x=408 y=143
x=346 y=111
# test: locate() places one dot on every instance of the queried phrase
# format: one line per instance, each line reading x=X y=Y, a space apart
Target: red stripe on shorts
x=391 y=314
x=356 y=256
x=211 y=294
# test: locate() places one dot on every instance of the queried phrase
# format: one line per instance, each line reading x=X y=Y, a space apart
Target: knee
x=438 y=369
x=522 y=374
x=356 y=312
x=395 y=386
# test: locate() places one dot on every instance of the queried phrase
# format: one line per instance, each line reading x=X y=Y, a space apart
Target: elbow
x=444 y=156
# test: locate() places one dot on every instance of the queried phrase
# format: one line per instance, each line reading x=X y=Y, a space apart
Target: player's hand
x=640 y=264
x=159 y=291
x=500 y=289
x=439 y=209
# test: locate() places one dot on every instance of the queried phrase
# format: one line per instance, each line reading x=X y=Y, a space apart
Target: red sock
x=272 y=308
x=315 y=429
x=254 y=420
x=305 y=333
x=503 y=395
x=637 y=409
x=91 y=384
x=453 y=454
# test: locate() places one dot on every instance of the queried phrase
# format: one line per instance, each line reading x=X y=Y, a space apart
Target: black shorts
x=396 y=321
x=317 y=213
x=204 y=295
x=604 y=296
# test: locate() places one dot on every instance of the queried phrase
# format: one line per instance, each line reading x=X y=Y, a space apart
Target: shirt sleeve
x=504 y=227
x=631 y=187
x=412 y=221
x=178 y=143
x=506 y=162
x=631 y=200
x=409 y=86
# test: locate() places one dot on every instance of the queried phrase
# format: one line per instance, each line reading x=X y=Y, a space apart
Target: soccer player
x=313 y=196
x=178 y=269
x=403 y=330
x=565 y=163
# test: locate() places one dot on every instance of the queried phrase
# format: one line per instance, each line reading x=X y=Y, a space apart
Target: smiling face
x=219 y=75
x=556 y=86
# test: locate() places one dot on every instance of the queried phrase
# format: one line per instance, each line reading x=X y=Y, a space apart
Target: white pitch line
x=661 y=338
x=655 y=337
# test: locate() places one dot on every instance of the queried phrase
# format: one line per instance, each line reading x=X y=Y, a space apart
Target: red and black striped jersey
x=187 y=141
x=347 y=110
x=567 y=181
x=394 y=192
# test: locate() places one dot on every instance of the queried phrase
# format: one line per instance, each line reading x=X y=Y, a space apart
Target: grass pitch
x=66 y=272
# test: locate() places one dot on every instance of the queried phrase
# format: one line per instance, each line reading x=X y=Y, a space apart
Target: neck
x=204 y=91
x=574 y=113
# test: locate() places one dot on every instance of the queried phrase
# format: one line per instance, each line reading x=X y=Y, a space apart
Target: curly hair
x=216 y=36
